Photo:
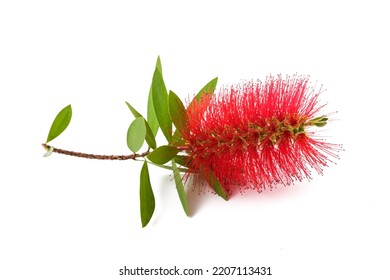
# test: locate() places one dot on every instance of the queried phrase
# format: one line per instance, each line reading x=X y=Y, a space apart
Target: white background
x=70 y=218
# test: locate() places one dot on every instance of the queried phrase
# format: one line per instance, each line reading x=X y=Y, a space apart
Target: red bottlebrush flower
x=257 y=135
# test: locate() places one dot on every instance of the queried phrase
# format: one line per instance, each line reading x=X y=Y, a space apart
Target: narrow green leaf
x=169 y=167
x=320 y=124
x=150 y=137
x=151 y=114
x=60 y=123
x=180 y=188
x=209 y=88
x=177 y=111
x=133 y=111
x=160 y=104
x=217 y=187
x=158 y=65
x=181 y=159
x=147 y=202
x=163 y=154
x=136 y=134
x=177 y=139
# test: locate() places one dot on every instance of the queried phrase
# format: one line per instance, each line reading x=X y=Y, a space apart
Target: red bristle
x=254 y=135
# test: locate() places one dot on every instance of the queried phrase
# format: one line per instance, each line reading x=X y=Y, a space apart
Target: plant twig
x=93 y=156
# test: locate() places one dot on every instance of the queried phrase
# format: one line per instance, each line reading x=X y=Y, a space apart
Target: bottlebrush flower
x=252 y=135
x=256 y=135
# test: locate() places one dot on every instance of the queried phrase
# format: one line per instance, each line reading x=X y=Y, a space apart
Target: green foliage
x=160 y=104
x=217 y=187
x=147 y=202
x=181 y=159
x=209 y=88
x=169 y=167
x=177 y=139
x=133 y=111
x=163 y=154
x=60 y=123
x=151 y=114
x=180 y=188
x=150 y=137
x=319 y=122
x=136 y=134
x=177 y=111
x=158 y=65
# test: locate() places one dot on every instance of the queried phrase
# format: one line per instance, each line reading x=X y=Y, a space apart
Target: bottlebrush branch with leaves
x=250 y=135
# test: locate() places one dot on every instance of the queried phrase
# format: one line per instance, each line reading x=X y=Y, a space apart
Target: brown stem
x=92 y=156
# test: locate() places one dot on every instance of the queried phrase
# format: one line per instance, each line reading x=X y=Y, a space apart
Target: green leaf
x=320 y=124
x=147 y=202
x=177 y=139
x=169 y=167
x=60 y=123
x=133 y=111
x=181 y=159
x=151 y=114
x=160 y=104
x=163 y=154
x=150 y=137
x=180 y=188
x=158 y=65
x=177 y=111
x=136 y=134
x=216 y=185
x=209 y=88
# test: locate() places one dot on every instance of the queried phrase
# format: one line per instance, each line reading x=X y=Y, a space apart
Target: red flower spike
x=256 y=135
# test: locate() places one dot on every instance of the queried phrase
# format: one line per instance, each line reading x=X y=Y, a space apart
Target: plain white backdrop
x=70 y=218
